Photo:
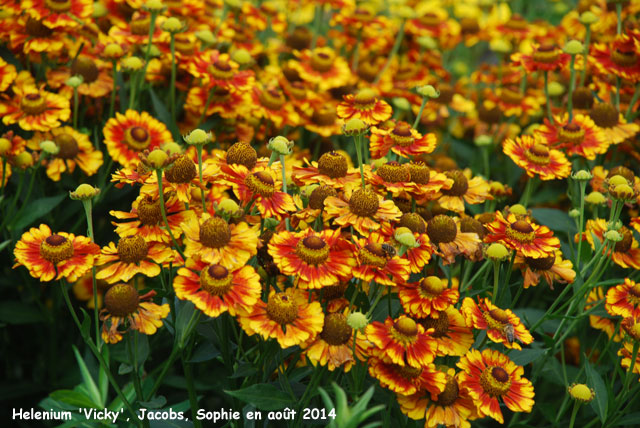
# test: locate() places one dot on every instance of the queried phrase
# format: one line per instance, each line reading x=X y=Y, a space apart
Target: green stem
x=632 y=363
x=356 y=53
x=172 y=87
x=496 y=277
x=572 y=78
x=206 y=106
x=574 y=412
x=375 y=302
x=133 y=83
x=358 y=140
x=193 y=398
x=96 y=353
x=4 y=170
x=392 y=54
x=417 y=121
x=75 y=108
x=546 y=94
x=483 y=268
x=132 y=351
x=202 y=196
x=29 y=191
x=284 y=187
x=152 y=28
x=587 y=41
x=112 y=101
x=583 y=186
x=163 y=211
x=527 y=192
x=88 y=211
x=319 y=12
x=618 y=82
x=619 y=16
x=633 y=102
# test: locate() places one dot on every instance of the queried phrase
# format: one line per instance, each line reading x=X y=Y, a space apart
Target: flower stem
x=546 y=94
x=618 y=82
x=75 y=108
x=574 y=412
x=619 y=16
x=358 y=140
x=527 y=192
x=202 y=196
x=132 y=351
x=193 y=397
x=587 y=41
x=583 y=186
x=319 y=12
x=375 y=302
x=4 y=171
x=356 y=53
x=112 y=101
x=88 y=210
x=633 y=102
x=163 y=211
x=417 y=121
x=172 y=87
x=392 y=54
x=572 y=78
x=284 y=187
x=152 y=28
x=496 y=278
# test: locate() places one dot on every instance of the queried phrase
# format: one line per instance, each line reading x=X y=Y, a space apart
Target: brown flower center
x=432 y=286
x=364 y=203
x=420 y=173
x=401 y=134
x=67 y=144
x=604 y=115
x=521 y=231
x=407 y=372
x=583 y=99
x=333 y=164
x=184 y=45
x=495 y=381
x=538 y=154
x=281 y=308
x=624 y=58
x=242 y=154
x=215 y=232
x=627 y=241
x=336 y=331
x=183 y=170
x=322 y=60
x=319 y=194
x=37 y=29
x=272 y=98
x=312 y=250
x=547 y=54
x=543 y=263
x=511 y=96
x=471 y=225
x=460 y=183
x=58 y=6
x=85 y=67
x=623 y=171
x=132 y=249
x=140 y=24
x=414 y=222
x=440 y=325
x=221 y=70
x=121 y=300
x=216 y=280
x=365 y=99
x=442 y=229
x=393 y=172
x=469 y=26
x=635 y=290
x=261 y=183
x=149 y=211
x=571 y=134
x=56 y=248
x=137 y=138
x=430 y=19
x=324 y=116
x=372 y=254
x=406 y=327
x=517 y=23
x=220 y=95
x=33 y=104
x=449 y=395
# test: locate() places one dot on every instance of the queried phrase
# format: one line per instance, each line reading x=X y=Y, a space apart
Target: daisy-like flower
x=367 y=107
x=626 y=352
x=614 y=127
x=322 y=67
x=214 y=289
x=32 y=108
x=83 y=290
x=429 y=183
x=260 y=186
x=596 y=296
x=502 y=325
x=55 y=14
x=449 y=241
x=317 y=259
x=491 y=375
x=401 y=341
x=332 y=169
x=217 y=70
x=333 y=347
x=393 y=177
x=452 y=407
x=145 y=218
x=621 y=58
x=215 y=240
x=227 y=102
x=464 y=189
x=546 y=57
x=7 y=74
x=75 y=149
x=270 y=103
x=97 y=81
x=50 y=256
x=124 y=307
x=430 y=294
x=365 y=210
x=132 y=255
x=402 y=140
x=127 y=135
x=287 y=316
x=580 y=137
x=450 y=331
x=624 y=299
x=407 y=380
x=625 y=253
x=520 y=234
x=536 y=158
x=377 y=261
x=552 y=268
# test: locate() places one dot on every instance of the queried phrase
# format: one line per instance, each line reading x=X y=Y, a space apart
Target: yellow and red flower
x=546 y=57
x=50 y=256
x=449 y=330
x=520 y=234
x=401 y=341
x=614 y=127
x=124 y=307
x=322 y=67
x=536 y=158
x=429 y=295
x=317 y=259
x=401 y=139
x=502 y=325
x=215 y=240
x=621 y=58
x=597 y=296
x=624 y=299
x=332 y=169
x=215 y=289
x=367 y=107
x=491 y=375
x=580 y=137
x=378 y=262
x=464 y=189
x=55 y=14
x=131 y=256
x=217 y=70
x=625 y=253
x=287 y=316
x=126 y=135
x=7 y=74
x=552 y=268
x=407 y=380
x=452 y=407
x=449 y=241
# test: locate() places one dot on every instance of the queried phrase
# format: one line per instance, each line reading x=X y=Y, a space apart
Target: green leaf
x=4 y=244
x=16 y=312
x=89 y=383
x=164 y=115
x=554 y=219
x=526 y=356
x=185 y=312
x=601 y=402
x=156 y=403
x=37 y=209
x=204 y=352
x=75 y=398
x=124 y=369
x=632 y=419
x=103 y=379
x=245 y=370
x=263 y=396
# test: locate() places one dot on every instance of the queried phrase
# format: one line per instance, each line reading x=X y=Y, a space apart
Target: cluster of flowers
x=299 y=250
